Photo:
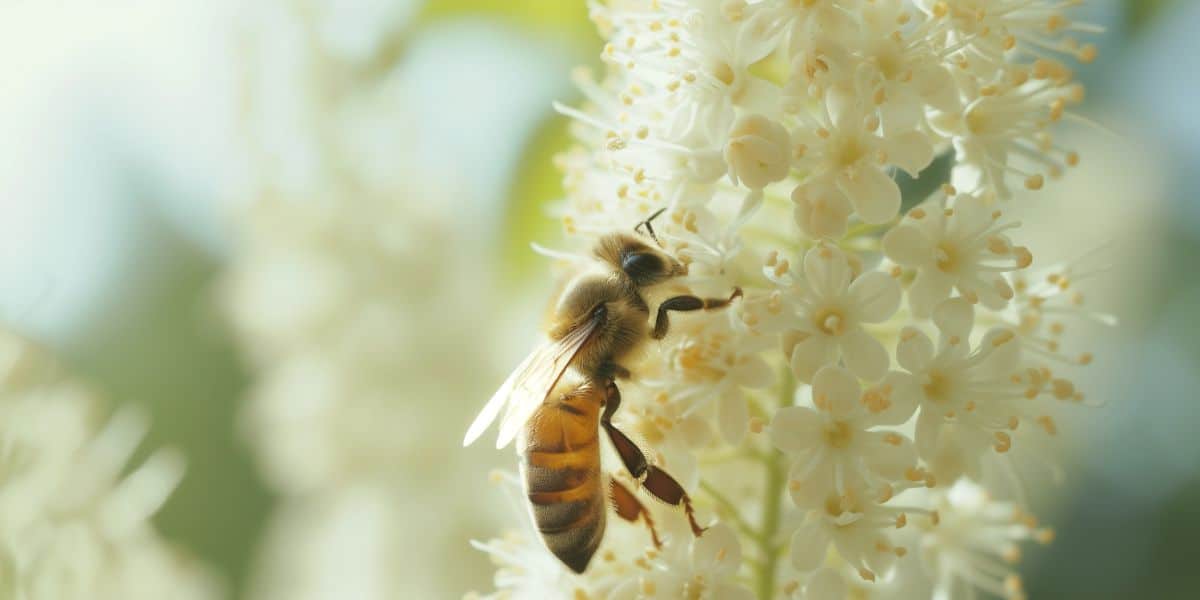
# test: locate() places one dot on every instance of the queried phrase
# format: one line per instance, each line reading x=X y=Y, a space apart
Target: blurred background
x=142 y=138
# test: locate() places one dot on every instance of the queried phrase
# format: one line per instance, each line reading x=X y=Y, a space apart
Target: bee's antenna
x=650 y=228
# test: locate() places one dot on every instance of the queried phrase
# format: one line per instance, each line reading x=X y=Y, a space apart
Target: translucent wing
x=498 y=400
x=526 y=388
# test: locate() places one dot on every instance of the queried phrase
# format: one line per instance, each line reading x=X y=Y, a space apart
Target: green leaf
x=1141 y=12
x=537 y=183
x=557 y=15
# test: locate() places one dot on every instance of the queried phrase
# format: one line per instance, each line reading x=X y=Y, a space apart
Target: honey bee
x=565 y=391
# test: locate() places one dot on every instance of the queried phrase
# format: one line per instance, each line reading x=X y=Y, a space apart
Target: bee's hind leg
x=628 y=507
x=655 y=480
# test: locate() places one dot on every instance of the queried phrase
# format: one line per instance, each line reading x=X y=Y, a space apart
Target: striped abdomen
x=561 y=468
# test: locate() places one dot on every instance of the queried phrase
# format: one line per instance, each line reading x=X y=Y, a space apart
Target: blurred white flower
x=74 y=516
x=974 y=543
x=362 y=304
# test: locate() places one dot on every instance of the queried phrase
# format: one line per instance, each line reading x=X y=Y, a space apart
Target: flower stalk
x=919 y=360
x=776 y=480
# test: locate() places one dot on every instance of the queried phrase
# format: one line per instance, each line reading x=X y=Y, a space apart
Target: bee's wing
x=526 y=388
x=499 y=399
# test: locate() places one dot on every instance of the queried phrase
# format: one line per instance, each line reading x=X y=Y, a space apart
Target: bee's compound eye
x=639 y=265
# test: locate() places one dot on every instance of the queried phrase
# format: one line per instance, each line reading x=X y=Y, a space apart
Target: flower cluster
x=74 y=518
x=892 y=357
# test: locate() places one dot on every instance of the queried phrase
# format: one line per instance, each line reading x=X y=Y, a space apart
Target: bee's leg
x=628 y=507
x=687 y=303
x=614 y=371
x=655 y=480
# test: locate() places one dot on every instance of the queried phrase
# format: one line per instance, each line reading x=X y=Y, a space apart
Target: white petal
x=795 y=429
x=836 y=390
x=811 y=479
x=733 y=416
x=753 y=372
x=915 y=350
x=843 y=105
x=970 y=215
x=901 y=112
x=717 y=551
x=899 y=394
x=936 y=85
x=875 y=196
x=929 y=288
x=758 y=151
x=864 y=354
x=856 y=544
x=959 y=453
x=630 y=589
x=827 y=271
x=1005 y=356
x=809 y=545
x=876 y=296
x=889 y=461
x=987 y=290
x=821 y=209
x=929 y=428
x=907 y=245
x=695 y=430
x=811 y=354
x=910 y=151
x=826 y=584
x=954 y=317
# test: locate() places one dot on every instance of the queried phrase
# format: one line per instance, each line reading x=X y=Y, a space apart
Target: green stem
x=731 y=509
x=773 y=505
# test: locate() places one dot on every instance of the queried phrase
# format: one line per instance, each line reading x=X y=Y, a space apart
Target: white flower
x=906 y=579
x=758 y=152
x=976 y=388
x=860 y=529
x=1046 y=303
x=831 y=308
x=1001 y=132
x=825 y=584
x=974 y=544
x=703 y=570
x=845 y=148
x=986 y=31
x=957 y=247
x=837 y=444
x=525 y=569
x=712 y=361
x=74 y=516
x=822 y=209
x=902 y=65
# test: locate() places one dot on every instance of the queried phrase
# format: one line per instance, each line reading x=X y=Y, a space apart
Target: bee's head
x=642 y=263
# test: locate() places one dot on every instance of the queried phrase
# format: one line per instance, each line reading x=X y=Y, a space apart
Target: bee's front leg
x=662 y=322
